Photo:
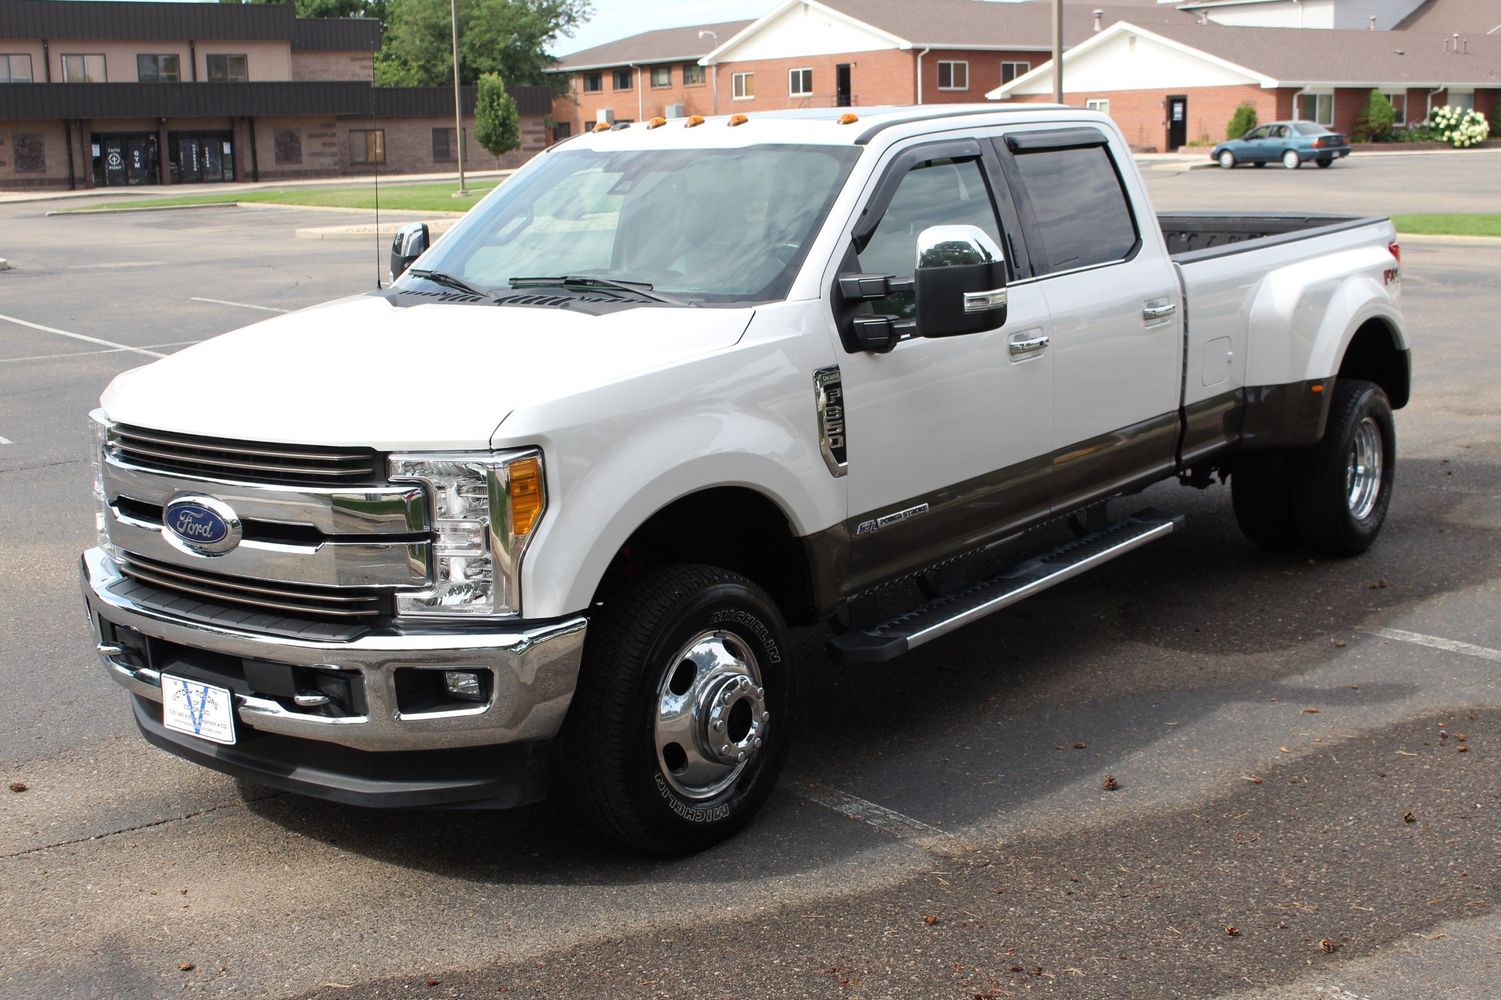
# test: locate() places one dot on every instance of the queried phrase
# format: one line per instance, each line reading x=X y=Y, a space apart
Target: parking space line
x=93 y=354
x=242 y=305
x=79 y=336
x=1435 y=642
x=888 y=821
x=6 y=440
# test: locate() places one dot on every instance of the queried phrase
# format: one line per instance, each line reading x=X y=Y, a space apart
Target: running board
x=943 y=615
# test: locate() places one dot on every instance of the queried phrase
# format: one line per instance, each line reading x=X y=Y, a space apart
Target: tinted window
x=1308 y=128
x=1083 y=216
x=933 y=194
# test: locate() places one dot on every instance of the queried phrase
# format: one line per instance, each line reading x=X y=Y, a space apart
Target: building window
x=661 y=76
x=367 y=145
x=624 y=79
x=1462 y=99
x=693 y=75
x=158 y=69
x=83 y=68
x=1316 y=108
x=288 y=143
x=1100 y=104
x=1011 y=70
x=743 y=86
x=28 y=153
x=227 y=67
x=15 y=69
x=953 y=75
x=1398 y=101
x=799 y=83
x=593 y=82
x=443 y=144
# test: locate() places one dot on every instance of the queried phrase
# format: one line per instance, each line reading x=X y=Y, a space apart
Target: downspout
x=919 y=72
x=193 y=58
x=46 y=60
x=1429 y=101
x=68 y=141
x=640 y=97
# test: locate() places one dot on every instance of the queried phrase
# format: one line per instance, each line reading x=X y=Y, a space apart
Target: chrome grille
x=337 y=604
x=246 y=462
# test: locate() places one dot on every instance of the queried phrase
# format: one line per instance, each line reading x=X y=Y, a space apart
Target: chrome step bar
x=943 y=615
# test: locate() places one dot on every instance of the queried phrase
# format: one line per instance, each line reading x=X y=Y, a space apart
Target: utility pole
x=1058 y=51
x=458 y=105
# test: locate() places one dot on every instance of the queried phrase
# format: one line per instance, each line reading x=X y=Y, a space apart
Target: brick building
x=1175 y=83
x=826 y=53
x=102 y=94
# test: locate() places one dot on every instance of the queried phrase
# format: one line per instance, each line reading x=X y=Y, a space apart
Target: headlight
x=99 y=425
x=485 y=508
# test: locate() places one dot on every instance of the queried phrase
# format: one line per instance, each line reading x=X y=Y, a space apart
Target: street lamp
x=458 y=107
x=710 y=34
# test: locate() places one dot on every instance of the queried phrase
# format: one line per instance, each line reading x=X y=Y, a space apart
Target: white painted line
x=79 y=336
x=92 y=354
x=1448 y=645
x=888 y=821
x=6 y=440
x=242 y=305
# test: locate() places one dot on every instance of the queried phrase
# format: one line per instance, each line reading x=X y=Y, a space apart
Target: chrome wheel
x=1227 y=159
x=1363 y=470
x=711 y=715
x=1291 y=160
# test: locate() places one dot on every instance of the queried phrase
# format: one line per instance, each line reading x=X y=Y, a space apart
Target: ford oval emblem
x=201 y=525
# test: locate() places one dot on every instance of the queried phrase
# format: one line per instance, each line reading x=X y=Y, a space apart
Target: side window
x=1257 y=133
x=1083 y=216
x=944 y=193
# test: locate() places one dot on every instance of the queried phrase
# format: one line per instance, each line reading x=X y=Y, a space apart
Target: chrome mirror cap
x=956 y=246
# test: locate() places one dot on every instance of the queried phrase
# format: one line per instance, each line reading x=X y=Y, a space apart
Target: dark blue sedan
x=1288 y=143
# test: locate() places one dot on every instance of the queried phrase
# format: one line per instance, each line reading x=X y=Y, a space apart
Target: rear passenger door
x=1113 y=300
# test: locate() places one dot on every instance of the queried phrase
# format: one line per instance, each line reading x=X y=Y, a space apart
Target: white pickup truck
x=544 y=509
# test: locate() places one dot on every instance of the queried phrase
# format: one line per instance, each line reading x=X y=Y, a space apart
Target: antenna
x=377 y=226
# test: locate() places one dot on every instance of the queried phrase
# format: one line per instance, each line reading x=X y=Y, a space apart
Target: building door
x=1177 y=122
x=842 y=85
x=201 y=157
x=126 y=158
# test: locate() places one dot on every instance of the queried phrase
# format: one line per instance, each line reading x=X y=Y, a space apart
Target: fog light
x=464 y=684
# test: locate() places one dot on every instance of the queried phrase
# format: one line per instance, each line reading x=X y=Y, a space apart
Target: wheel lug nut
x=757 y=744
x=718 y=725
x=765 y=716
x=760 y=692
x=725 y=748
x=742 y=756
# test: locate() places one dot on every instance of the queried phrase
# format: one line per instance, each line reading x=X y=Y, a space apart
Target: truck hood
x=362 y=371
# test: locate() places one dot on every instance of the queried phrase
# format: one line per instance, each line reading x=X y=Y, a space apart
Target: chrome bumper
x=533 y=673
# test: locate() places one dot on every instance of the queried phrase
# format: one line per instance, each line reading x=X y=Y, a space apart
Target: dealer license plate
x=198 y=709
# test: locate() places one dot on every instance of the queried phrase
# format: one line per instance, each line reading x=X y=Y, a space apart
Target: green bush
x=1243 y=121
x=1376 y=119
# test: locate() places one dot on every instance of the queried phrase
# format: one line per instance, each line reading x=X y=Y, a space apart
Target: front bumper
x=532 y=673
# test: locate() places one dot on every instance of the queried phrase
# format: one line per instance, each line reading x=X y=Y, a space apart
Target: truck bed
x=1196 y=236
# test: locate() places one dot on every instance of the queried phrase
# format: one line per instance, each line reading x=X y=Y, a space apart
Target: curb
x=143 y=208
x=1487 y=241
x=365 y=231
x=3 y=265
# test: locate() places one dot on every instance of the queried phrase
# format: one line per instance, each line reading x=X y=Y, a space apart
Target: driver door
x=946 y=437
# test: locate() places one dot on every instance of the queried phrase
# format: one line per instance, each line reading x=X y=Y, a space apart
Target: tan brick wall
x=333 y=66
x=1142 y=114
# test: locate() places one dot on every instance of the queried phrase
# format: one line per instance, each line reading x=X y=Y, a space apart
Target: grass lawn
x=1449 y=225
x=395 y=197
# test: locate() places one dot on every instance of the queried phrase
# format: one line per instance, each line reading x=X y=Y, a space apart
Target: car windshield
x=1309 y=128
x=703 y=226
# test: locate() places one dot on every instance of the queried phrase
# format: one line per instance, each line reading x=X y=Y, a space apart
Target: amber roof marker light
x=656 y=122
x=738 y=120
x=693 y=120
x=848 y=118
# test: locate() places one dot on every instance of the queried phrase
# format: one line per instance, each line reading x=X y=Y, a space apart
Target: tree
x=497 y=123
x=1376 y=119
x=509 y=37
x=1243 y=121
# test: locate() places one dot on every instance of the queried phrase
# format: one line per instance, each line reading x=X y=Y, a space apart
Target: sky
x=619 y=18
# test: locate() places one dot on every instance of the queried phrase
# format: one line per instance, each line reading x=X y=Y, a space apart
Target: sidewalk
x=161 y=191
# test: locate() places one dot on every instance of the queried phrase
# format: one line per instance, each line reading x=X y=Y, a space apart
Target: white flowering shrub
x=1460 y=127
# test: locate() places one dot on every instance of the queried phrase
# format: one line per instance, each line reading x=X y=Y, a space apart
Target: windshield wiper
x=449 y=281
x=641 y=288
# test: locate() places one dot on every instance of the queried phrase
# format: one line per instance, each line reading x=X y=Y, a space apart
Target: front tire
x=1291 y=160
x=682 y=715
x=1342 y=486
x=1227 y=159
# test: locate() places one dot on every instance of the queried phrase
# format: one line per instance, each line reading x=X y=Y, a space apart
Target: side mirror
x=410 y=241
x=960 y=281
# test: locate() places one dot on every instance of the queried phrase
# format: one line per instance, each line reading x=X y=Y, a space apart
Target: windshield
x=1309 y=128
x=705 y=226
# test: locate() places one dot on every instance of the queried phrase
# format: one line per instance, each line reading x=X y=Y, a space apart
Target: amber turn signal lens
x=601 y=126
x=848 y=118
x=694 y=120
x=1316 y=387
x=738 y=120
x=525 y=491
x=656 y=122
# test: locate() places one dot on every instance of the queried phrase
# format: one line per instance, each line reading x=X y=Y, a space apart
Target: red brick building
x=1170 y=84
x=102 y=94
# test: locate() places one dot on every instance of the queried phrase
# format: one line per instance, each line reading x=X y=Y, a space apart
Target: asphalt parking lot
x=1305 y=749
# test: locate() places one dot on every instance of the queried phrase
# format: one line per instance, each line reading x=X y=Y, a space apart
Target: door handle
x=1026 y=343
x=1152 y=312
